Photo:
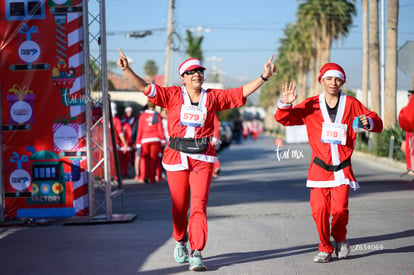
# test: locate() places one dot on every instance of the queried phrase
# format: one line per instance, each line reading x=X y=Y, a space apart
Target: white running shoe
x=322 y=257
x=342 y=249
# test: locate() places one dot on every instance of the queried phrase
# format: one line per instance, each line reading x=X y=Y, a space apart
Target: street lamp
x=214 y=72
x=200 y=30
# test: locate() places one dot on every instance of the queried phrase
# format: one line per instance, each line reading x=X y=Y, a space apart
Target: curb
x=390 y=163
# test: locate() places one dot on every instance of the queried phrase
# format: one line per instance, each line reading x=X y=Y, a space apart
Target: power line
x=223 y=50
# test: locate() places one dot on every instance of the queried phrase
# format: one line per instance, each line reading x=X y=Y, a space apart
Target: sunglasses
x=191 y=72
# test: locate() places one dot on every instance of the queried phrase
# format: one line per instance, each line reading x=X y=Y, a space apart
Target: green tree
x=194 y=46
x=329 y=20
x=150 y=68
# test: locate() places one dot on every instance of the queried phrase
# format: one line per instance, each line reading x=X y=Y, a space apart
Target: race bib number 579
x=192 y=116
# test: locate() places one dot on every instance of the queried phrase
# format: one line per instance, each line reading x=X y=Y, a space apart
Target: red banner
x=43 y=108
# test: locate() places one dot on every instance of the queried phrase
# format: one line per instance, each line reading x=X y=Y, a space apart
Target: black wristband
x=263 y=78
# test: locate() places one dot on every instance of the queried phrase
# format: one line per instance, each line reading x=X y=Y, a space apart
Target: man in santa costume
x=190 y=156
x=331 y=119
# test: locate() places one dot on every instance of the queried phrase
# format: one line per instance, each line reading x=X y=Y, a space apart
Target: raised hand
x=289 y=93
x=122 y=61
x=269 y=68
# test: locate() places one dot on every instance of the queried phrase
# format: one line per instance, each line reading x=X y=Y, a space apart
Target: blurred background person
x=406 y=121
x=150 y=140
x=121 y=143
x=125 y=155
x=216 y=140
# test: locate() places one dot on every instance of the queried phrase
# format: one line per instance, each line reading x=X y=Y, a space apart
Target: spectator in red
x=245 y=126
x=254 y=129
x=406 y=120
x=125 y=155
x=121 y=143
x=132 y=120
x=150 y=140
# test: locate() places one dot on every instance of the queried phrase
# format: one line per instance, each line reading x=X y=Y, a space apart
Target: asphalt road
x=259 y=222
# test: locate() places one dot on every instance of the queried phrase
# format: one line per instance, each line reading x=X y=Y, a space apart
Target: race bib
x=334 y=133
x=192 y=116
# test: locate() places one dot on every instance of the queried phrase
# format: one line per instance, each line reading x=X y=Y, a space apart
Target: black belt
x=332 y=168
x=189 y=145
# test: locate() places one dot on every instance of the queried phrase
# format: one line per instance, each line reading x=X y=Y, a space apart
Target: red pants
x=255 y=134
x=149 y=160
x=185 y=186
x=124 y=160
x=324 y=203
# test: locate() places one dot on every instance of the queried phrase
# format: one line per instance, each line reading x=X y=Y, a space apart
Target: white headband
x=333 y=73
x=190 y=63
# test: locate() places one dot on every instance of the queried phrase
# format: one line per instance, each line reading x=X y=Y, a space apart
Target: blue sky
x=241 y=34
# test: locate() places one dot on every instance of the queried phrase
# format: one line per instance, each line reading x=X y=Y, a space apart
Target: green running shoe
x=195 y=261
x=180 y=252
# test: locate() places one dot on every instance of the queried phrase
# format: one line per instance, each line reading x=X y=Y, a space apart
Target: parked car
x=226 y=133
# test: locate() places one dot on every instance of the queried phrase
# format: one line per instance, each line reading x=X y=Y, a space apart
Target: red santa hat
x=332 y=69
x=190 y=64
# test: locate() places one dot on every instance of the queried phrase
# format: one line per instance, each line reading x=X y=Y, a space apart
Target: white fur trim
x=333 y=73
x=188 y=64
x=282 y=105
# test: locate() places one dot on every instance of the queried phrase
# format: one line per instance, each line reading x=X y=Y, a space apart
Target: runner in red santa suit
x=329 y=119
x=189 y=156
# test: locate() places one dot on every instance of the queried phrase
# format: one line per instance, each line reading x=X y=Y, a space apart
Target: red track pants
x=124 y=160
x=149 y=160
x=324 y=203
x=185 y=186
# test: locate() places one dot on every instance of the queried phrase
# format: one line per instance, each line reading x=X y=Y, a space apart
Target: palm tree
x=194 y=46
x=365 y=52
x=297 y=48
x=330 y=19
x=374 y=68
x=391 y=68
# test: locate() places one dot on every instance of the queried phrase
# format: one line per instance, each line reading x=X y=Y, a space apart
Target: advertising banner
x=43 y=108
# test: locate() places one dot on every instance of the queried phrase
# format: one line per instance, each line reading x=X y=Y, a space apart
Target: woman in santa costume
x=331 y=119
x=190 y=156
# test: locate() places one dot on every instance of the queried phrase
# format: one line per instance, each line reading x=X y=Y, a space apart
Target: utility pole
x=169 y=44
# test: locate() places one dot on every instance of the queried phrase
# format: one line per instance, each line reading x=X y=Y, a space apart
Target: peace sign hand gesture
x=289 y=93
